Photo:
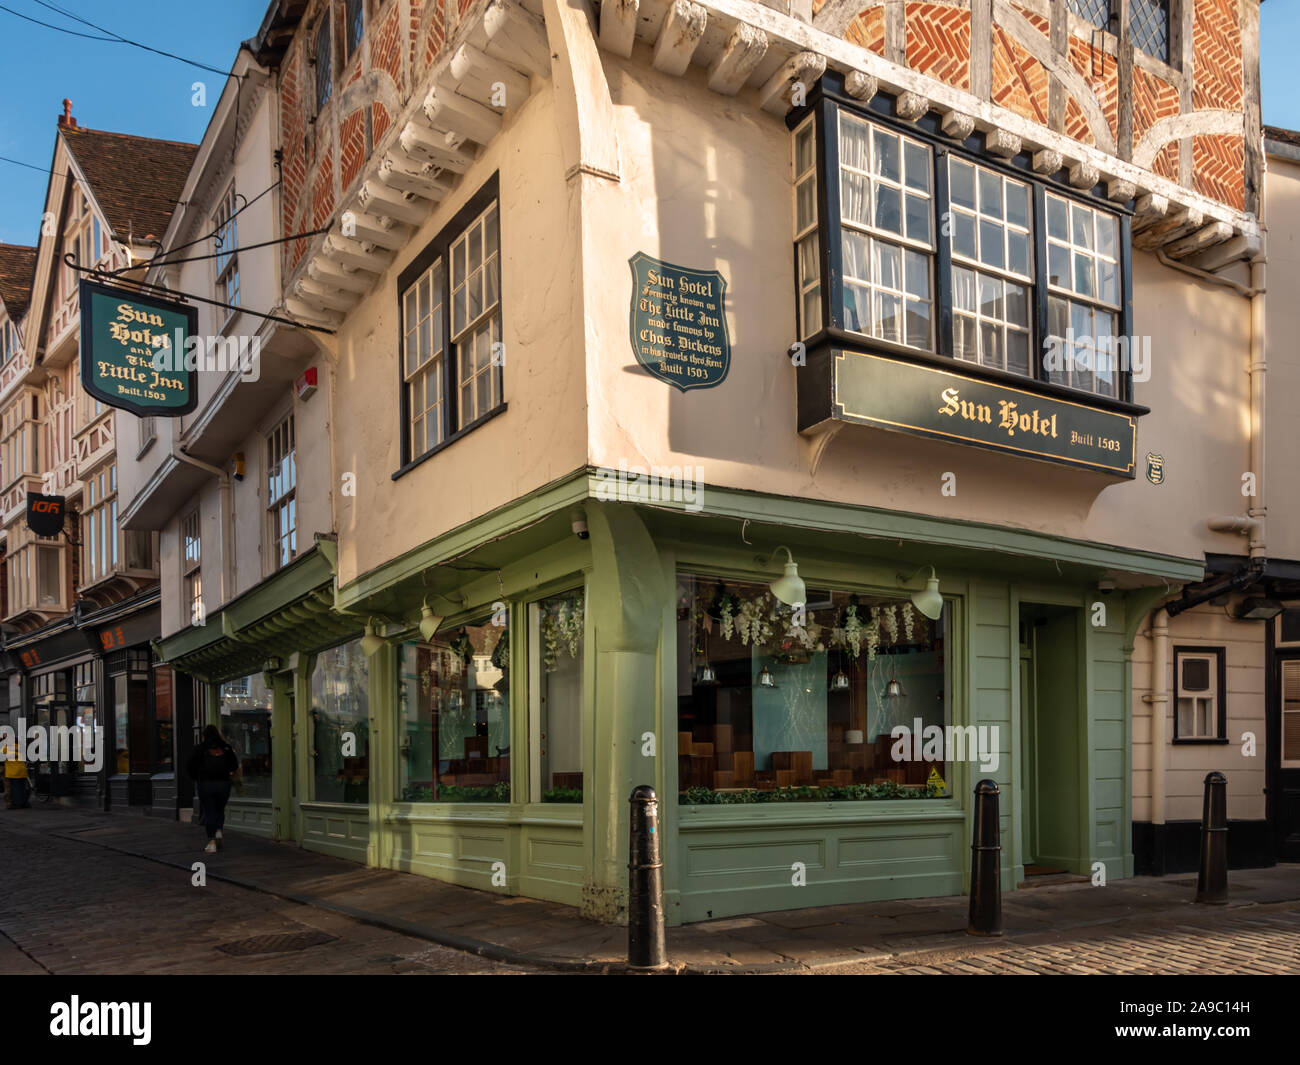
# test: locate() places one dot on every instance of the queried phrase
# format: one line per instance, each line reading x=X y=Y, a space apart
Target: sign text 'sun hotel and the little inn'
x=133 y=350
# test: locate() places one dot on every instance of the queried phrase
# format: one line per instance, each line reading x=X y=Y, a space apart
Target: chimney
x=66 y=119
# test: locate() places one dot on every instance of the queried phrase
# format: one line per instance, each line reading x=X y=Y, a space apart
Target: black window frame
x=440 y=247
x=825 y=100
x=1221 y=707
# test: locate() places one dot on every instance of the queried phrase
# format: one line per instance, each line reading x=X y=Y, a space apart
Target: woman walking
x=211 y=766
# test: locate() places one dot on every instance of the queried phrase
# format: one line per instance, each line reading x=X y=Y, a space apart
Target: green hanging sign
x=679 y=323
x=133 y=351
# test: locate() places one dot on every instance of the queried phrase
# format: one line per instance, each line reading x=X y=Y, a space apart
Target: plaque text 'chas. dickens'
x=682 y=325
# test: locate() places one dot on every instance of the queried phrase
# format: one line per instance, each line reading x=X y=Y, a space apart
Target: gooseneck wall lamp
x=789 y=587
x=370 y=643
x=928 y=601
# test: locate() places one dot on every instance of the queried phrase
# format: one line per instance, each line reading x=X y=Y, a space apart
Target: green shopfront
x=480 y=710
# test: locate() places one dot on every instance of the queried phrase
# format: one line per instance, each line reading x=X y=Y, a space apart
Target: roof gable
x=17 y=270
x=136 y=180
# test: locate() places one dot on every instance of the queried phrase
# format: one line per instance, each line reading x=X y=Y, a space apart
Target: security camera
x=579 y=523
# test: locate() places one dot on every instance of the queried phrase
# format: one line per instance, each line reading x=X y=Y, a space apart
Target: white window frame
x=475 y=332
x=1211 y=697
x=225 y=240
x=192 y=565
x=281 y=494
x=424 y=360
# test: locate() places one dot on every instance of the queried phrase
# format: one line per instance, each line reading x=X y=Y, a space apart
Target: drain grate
x=280 y=943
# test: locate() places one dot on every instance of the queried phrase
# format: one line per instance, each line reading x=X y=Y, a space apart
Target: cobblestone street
x=76 y=908
x=113 y=894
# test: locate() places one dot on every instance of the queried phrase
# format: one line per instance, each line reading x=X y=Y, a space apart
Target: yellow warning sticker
x=935 y=780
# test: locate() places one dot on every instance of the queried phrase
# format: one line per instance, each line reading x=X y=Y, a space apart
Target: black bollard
x=645 y=916
x=1212 y=878
x=986 y=864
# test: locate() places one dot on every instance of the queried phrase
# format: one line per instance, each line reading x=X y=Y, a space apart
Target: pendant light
x=766 y=679
x=840 y=682
x=706 y=676
x=894 y=690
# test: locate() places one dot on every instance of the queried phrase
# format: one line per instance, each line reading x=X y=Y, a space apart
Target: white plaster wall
x=706 y=184
x=541 y=435
x=1187 y=764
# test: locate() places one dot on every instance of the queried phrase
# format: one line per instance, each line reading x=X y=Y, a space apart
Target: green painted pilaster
x=302 y=739
x=382 y=752
x=626 y=600
x=281 y=754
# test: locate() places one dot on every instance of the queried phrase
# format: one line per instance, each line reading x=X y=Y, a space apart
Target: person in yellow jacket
x=15 y=778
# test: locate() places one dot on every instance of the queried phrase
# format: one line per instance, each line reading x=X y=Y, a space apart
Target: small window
x=354 y=27
x=1096 y=12
x=281 y=501
x=807 y=250
x=321 y=58
x=1148 y=27
x=476 y=321
x=192 y=566
x=1199 y=710
x=1291 y=714
x=225 y=239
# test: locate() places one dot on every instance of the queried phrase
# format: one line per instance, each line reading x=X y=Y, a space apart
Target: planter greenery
x=830 y=793
x=562 y=795
x=477 y=793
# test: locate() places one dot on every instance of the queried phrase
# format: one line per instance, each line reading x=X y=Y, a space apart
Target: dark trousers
x=18 y=791
x=213 y=796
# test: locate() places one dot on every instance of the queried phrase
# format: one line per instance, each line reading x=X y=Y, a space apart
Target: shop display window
x=246 y=724
x=556 y=645
x=340 y=716
x=454 y=738
x=774 y=706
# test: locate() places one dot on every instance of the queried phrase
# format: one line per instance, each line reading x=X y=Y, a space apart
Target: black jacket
x=204 y=763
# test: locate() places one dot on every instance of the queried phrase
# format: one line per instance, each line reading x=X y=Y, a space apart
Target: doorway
x=1283 y=744
x=1051 y=708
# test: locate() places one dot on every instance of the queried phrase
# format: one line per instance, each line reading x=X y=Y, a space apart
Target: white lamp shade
x=790 y=588
x=429 y=624
x=928 y=601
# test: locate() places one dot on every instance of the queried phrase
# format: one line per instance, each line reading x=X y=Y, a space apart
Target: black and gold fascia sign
x=679 y=323
x=926 y=401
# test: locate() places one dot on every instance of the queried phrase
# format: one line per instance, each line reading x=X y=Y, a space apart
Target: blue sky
x=116 y=87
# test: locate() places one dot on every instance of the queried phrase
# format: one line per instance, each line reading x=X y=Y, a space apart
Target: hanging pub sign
x=45 y=514
x=133 y=351
x=923 y=400
x=679 y=323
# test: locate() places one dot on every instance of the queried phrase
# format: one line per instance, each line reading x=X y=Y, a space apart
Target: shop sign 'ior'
x=679 y=323
x=124 y=335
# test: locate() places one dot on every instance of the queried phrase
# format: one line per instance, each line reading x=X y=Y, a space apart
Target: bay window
x=929 y=252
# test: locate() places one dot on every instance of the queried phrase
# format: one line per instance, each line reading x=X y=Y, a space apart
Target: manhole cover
x=280 y=943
